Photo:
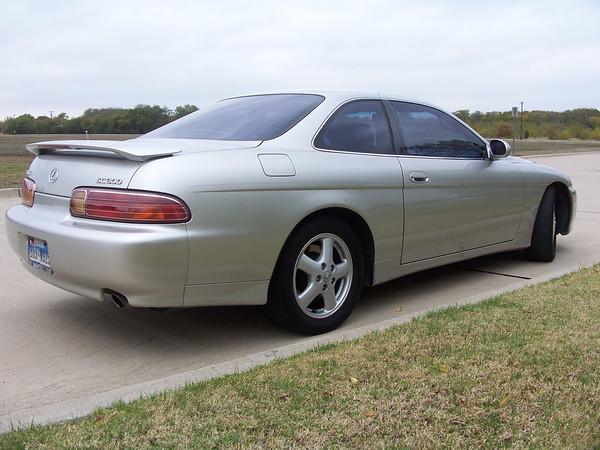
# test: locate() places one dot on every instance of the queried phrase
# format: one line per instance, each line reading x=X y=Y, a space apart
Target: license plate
x=37 y=253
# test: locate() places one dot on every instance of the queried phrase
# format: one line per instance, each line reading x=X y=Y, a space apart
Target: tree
x=184 y=110
x=42 y=125
x=504 y=130
x=462 y=114
x=22 y=124
x=581 y=123
x=553 y=132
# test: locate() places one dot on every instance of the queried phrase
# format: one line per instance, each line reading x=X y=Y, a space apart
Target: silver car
x=295 y=201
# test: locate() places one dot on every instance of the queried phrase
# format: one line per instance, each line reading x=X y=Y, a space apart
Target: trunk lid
x=59 y=174
x=61 y=166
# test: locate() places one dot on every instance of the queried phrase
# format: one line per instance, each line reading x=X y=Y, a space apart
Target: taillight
x=127 y=206
x=27 y=191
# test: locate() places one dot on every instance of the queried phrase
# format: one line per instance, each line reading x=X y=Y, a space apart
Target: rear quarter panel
x=241 y=218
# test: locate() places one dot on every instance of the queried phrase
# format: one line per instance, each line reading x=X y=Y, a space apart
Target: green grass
x=518 y=370
x=12 y=169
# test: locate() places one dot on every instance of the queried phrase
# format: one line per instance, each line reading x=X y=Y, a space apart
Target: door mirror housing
x=499 y=149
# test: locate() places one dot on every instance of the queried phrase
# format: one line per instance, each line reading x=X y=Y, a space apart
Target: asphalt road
x=61 y=355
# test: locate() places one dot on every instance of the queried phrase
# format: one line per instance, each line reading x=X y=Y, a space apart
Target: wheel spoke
x=308 y=295
x=329 y=298
x=327 y=250
x=309 y=266
x=342 y=270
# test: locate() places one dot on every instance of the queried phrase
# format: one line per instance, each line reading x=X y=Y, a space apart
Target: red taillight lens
x=127 y=206
x=27 y=191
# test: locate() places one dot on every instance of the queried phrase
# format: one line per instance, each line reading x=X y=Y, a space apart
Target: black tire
x=283 y=307
x=543 y=239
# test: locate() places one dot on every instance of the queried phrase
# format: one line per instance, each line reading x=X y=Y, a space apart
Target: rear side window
x=358 y=126
x=430 y=132
x=253 y=118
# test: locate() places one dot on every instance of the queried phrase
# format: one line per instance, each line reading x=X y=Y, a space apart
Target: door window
x=430 y=132
x=358 y=126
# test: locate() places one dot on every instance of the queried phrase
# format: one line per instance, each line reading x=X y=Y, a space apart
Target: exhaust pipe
x=118 y=299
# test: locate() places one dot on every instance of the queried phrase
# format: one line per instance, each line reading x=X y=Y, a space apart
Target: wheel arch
x=563 y=206
x=358 y=224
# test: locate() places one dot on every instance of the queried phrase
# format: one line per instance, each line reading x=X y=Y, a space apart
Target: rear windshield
x=253 y=118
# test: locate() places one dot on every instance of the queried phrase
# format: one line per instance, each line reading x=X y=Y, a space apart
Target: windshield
x=253 y=118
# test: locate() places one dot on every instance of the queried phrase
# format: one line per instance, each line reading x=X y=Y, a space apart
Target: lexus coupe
x=295 y=201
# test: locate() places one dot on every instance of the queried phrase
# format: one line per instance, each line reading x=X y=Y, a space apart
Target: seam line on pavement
x=494 y=273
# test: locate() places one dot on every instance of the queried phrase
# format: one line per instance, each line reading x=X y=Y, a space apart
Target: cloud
x=70 y=55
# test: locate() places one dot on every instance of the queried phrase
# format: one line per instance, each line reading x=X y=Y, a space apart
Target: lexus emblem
x=53 y=175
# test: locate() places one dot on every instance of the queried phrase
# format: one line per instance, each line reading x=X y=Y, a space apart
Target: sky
x=67 y=56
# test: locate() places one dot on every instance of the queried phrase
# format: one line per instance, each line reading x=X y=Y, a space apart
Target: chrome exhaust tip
x=118 y=299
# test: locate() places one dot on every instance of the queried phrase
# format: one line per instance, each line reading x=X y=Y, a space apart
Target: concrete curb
x=81 y=407
x=9 y=192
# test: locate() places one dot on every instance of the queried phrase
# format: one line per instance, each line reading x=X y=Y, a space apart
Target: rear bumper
x=146 y=263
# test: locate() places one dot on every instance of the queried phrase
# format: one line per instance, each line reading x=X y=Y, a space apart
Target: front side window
x=358 y=126
x=430 y=132
x=253 y=118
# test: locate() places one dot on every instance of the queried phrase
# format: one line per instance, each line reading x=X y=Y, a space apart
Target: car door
x=357 y=146
x=455 y=198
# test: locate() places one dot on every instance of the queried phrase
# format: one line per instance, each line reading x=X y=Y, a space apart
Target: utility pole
x=514 y=128
x=50 y=114
x=521 y=120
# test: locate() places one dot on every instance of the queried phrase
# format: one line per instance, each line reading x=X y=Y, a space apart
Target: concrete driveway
x=62 y=355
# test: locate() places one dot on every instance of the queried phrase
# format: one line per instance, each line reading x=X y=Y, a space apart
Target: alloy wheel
x=323 y=275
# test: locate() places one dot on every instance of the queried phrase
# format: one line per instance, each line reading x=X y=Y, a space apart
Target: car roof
x=345 y=95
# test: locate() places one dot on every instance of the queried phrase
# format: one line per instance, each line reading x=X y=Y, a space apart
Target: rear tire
x=543 y=239
x=319 y=276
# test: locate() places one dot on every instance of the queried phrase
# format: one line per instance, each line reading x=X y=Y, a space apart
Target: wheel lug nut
x=319 y=278
x=332 y=267
x=332 y=280
x=323 y=266
x=324 y=287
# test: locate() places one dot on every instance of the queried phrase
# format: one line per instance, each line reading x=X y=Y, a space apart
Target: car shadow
x=194 y=328
x=213 y=334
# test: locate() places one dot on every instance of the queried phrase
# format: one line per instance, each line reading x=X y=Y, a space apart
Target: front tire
x=319 y=275
x=543 y=239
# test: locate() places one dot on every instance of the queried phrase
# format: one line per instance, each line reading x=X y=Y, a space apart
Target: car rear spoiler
x=134 y=150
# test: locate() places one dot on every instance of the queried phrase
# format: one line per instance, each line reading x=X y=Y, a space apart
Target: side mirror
x=499 y=149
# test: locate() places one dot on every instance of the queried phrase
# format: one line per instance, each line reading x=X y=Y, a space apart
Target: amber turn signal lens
x=120 y=205
x=77 y=205
x=27 y=191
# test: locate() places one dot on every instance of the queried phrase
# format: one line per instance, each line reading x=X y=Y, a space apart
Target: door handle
x=419 y=177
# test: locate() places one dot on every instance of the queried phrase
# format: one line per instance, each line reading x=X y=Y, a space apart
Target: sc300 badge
x=115 y=181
